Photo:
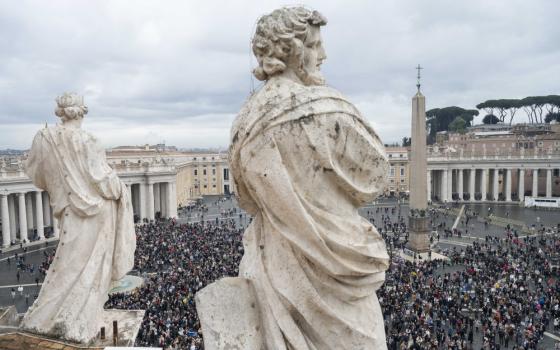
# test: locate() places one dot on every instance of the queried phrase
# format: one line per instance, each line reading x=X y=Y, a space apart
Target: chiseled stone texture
x=304 y=160
x=219 y=307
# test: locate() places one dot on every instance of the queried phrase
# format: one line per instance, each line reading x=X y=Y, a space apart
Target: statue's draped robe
x=303 y=160
x=97 y=239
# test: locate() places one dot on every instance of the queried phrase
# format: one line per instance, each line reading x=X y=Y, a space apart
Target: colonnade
x=28 y=216
x=490 y=184
x=151 y=199
x=25 y=216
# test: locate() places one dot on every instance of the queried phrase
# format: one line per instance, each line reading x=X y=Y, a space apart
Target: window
x=203 y=171
x=226 y=174
x=401 y=155
x=392 y=171
x=205 y=186
x=402 y=171
x=195 y=172
x=392 y=181
x=214 y=185
x=214 y=172
x=402 y=181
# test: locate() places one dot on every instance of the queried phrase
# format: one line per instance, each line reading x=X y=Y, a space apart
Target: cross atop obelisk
x=418 y=68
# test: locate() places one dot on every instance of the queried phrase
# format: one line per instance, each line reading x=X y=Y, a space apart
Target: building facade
x=496 y=163
x=398 y=176
x=202 y=174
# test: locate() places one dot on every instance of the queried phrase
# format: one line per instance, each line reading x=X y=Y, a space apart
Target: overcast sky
x=178 y=71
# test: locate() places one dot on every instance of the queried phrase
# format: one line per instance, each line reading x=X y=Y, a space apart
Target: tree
x=439 y=119
x=503 y=106
x=488 y=108
x=490 y=119
x=406 y=141
x=458 y=125
x=552 y=116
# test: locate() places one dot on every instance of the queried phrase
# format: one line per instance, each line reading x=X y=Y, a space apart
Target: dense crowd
x=499 y=293
x=177 y=260
x=506 y=295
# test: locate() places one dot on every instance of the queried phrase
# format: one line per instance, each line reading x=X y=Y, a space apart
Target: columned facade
x=26 y=214
x=481 y=179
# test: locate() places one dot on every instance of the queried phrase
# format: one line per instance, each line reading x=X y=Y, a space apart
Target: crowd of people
x=498 y=294
x=177 y=260
x=502 y=292
x=505 y=295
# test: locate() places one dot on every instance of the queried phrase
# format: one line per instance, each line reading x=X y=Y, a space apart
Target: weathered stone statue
x=303 y=160
x=97 y=239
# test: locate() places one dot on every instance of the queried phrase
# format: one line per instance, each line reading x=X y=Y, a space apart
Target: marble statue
x=304 y=160
x=94 y=211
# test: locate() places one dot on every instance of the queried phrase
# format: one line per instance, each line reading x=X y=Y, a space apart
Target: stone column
x=429 y=184
x=29 y=208
x=444 y=185
x=164 y=195
x=56 y=228
x=461 y=185
x=495 y=184
x=507 y=184
x=22 y=217
x=449 y=185
x=483 y=184
x=171 y=200
x=46 y=209
x=12 y=212
x=521 y=185
x=548 y=183
x=39 y=214
x=157 y=198
x=535 y=190
x=142 y=201
x=472 y=183
x=134 y=194
x=5 y=220
x=150 y=201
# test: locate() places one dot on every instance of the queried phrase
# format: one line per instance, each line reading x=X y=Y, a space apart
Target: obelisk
x=419 y=228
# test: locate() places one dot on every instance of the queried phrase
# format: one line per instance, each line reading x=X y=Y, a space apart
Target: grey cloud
x=183 y=69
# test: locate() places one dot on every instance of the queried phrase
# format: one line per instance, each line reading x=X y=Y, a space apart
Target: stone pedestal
x=224 y=323
x=419 y=234
x=14 y=338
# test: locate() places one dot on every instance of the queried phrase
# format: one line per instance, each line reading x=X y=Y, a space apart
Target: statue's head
x=290 y=39
x=70 y=106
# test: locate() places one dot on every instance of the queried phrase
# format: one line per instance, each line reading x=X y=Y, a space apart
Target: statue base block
x=14 y=338
x=229 y=316
x=419 y=234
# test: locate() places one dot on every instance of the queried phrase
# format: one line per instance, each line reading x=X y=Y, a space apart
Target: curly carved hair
x=279 y=36
x=70 y=106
